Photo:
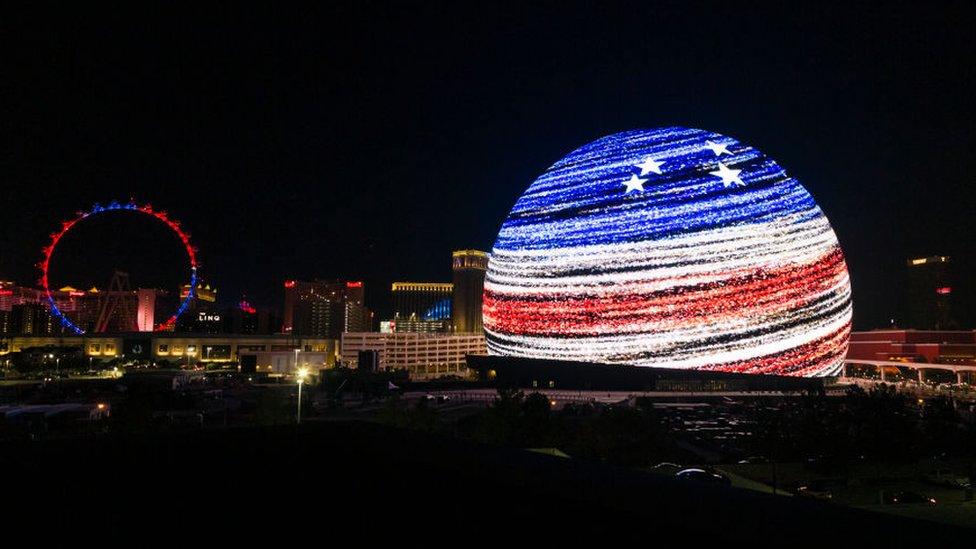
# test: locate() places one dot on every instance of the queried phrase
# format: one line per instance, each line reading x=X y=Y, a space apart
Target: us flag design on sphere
x=672 y=248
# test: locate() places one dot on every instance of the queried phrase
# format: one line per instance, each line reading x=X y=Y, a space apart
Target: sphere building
x=672 y=248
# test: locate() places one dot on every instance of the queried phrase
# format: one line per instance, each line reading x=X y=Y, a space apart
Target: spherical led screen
x=673 y=248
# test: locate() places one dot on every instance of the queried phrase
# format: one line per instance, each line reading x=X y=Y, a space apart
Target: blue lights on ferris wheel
x=146 y=209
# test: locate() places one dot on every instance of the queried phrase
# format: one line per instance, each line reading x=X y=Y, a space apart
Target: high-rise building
x=930 y=288
x=146 y=310
x=246 y=319
x=204 y=292
x=324 y=308
x=421 y=306
x=27 y=309
x=202 y=314
x=33 y=319
x=469 y=285
x=357 y=318
x=85 y=308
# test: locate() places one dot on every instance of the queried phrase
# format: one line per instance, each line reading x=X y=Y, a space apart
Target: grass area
x=958 y=514
x=740 y=481
x=861 y=488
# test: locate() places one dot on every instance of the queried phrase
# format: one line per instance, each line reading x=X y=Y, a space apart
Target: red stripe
x=754 y=294
x=805 y=360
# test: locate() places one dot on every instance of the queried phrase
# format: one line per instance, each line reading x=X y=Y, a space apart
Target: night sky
x=368 y=141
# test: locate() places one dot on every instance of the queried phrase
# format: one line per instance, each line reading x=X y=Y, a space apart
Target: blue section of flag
x=582 y=199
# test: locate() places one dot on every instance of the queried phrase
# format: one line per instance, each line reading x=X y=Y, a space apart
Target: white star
x=649 y=165
x=729 y=177
x=717 y=148
x=635 y=184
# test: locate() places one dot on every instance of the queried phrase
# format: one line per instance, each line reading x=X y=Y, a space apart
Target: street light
x=300 y=374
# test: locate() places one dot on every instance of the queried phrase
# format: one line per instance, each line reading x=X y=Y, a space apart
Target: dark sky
x=368 y=141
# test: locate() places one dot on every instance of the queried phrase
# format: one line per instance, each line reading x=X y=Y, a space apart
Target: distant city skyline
x=152 y=242
x=372 y=142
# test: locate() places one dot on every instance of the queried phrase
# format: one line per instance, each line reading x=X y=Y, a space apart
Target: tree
x=941 y=427
x=534 y=425
x=883 y=424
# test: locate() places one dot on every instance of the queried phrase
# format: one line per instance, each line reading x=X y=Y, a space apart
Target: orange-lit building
x=469 y=268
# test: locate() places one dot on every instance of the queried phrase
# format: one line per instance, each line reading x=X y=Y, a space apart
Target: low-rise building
x=175 y=349
x=930 y=346
x=286 y=363
x=422 y=355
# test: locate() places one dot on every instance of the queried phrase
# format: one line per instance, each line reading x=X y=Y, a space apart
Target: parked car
x=907 y=497
x=701 y=475
x=666 y=468
x=817 y=489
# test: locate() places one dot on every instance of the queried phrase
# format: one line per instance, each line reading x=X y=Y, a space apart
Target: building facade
x=469 y=268
x=25 y=311
x=324 y=308
x=202 y=314
x=930 y=289
x=423 y=356
x=929 y=346
x=184 y=350
x=421 y=306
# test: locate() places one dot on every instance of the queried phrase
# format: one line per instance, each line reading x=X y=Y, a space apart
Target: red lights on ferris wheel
x=48 y=251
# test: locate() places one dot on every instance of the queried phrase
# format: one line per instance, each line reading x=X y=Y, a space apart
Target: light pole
x=300 y=374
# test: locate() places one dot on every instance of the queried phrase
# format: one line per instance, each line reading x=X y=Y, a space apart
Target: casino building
x=423 y=356
x=469 y=268
x=421 y=306
x=324 y=308
x=442 y=307
x=930 y=287
x=249 y=352
x=23 y=310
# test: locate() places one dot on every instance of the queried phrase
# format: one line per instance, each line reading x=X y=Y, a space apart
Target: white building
x=423 y=355
x=287 y=362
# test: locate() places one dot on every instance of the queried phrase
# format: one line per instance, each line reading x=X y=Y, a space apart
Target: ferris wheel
x=146 y=210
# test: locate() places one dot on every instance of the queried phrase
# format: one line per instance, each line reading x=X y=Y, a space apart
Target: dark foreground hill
x=365 y=483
